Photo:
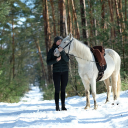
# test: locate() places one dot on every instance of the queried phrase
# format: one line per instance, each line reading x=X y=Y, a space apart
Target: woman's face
x=58 y=42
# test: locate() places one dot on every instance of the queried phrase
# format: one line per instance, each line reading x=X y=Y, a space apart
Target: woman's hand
x=58 y=59
x=60 y=49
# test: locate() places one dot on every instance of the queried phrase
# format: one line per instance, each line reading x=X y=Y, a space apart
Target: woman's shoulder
x=51 y=49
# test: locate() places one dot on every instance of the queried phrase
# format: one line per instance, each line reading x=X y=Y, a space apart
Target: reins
x=76 y=56
x=82 y=58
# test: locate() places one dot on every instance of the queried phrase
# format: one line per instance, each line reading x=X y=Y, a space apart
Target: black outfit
x=60 y=66
x=60 y=75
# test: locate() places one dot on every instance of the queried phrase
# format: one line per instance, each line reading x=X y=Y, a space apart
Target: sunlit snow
x=33 y=112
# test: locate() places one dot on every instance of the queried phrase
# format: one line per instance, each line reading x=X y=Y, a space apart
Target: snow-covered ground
x=33 y=112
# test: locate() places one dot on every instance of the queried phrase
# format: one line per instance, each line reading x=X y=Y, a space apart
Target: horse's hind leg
x=87 y=93
x=107 y=83
x=114 y=84
x=93 y=88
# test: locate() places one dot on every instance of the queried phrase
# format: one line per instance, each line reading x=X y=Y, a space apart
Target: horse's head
x=66 y=42
x=56 y=52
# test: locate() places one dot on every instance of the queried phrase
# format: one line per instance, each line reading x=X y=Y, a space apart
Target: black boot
x=63 y=101
x=57 y=101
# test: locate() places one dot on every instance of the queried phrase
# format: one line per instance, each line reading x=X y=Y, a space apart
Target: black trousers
x=60 y=78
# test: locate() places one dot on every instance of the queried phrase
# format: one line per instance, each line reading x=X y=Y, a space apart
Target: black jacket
x=60 y=66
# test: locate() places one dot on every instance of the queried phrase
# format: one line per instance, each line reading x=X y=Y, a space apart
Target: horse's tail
x=118 y=85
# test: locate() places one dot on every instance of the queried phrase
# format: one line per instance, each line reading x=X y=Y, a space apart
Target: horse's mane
x=82 y=50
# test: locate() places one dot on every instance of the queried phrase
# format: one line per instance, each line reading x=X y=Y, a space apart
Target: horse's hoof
x=87 y=107
x=106 y=101
x=96 y=107
x=112 y=103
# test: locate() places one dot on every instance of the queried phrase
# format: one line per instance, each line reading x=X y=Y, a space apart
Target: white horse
x=88 y=70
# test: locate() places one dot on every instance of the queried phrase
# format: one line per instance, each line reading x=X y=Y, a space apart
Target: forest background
x=27 y=31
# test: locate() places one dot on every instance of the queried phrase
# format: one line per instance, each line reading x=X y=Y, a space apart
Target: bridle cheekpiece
x=69 y=45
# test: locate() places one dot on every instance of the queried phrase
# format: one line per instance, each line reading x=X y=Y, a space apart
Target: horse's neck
x=82 y=51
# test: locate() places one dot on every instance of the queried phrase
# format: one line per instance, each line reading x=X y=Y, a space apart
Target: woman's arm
x=64 y=56
x=50 y=61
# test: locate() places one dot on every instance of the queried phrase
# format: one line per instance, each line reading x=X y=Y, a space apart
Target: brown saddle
x=99 y=53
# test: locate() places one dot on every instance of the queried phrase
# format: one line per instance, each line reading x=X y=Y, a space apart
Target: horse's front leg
x=87 y=93
x=93 y=88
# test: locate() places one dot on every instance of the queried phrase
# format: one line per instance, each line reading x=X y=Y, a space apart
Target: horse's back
x=114 y=55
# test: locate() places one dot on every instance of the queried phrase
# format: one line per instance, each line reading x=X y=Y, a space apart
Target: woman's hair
x=56 y=39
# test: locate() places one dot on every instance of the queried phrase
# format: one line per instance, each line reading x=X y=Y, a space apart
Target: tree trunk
x=111 y=18
x=69 y=18
x=48 y=26
x=47 y=35
x=63 y=24
x=53 y=16
x=121 y=25
x=95 y=22
x=45 y=27
x=121 y=16
x=66 y=26
x=13 y=49
x=74 y=27
x=75 y=18
x=123 y=37
x=91 y=22
x=41 y=60
x=58 y=18
x=125 y=19
x=83 y=21
x=118 y=15
x=102 y=16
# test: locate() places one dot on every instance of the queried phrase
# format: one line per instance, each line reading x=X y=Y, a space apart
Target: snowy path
x=32 y=112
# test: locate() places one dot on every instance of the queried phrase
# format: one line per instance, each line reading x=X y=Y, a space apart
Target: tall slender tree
x=53 y=16
x=103 y=16
x=41 y=61
x=112 y=22
x=63 y=24
x=83 y=20
x=118 y=15
x=122 y=31
x=75 y=18
x=90 y=3
x=13 y=47
x=69 y=21
x=47 y=34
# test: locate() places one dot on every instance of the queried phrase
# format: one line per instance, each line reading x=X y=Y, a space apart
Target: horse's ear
x=70 y=35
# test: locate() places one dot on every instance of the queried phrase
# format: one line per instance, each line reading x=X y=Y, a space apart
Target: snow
x=33 y=112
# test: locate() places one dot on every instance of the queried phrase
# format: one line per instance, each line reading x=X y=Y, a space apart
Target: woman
x=60 y=71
